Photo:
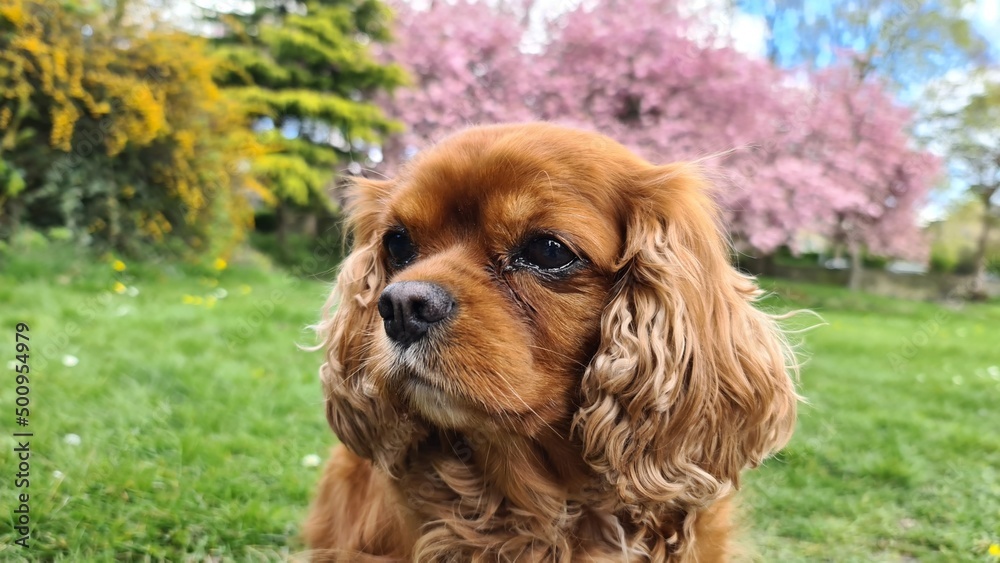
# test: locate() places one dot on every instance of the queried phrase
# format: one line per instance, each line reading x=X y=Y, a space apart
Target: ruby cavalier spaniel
x=537 y=350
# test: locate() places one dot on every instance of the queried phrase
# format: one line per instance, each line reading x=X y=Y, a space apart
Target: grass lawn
x=176 y=423
x=897 y=455
x=194 y=412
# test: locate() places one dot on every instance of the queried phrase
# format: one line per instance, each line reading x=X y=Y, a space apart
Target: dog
x=537 y=350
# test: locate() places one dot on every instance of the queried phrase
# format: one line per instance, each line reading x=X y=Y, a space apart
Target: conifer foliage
x=304 y=70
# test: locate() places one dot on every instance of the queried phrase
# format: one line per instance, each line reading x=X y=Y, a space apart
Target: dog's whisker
x=560 y=354
x=525 y=403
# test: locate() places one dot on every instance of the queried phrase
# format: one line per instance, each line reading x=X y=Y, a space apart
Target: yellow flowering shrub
x=119 y=131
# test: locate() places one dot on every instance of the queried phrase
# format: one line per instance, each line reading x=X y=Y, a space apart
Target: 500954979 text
x=22 y=437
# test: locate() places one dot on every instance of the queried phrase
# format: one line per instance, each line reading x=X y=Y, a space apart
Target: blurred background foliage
x=305 y=75
x=140 y=137
x=115 y=131
x=863 y=133
x=177 y=163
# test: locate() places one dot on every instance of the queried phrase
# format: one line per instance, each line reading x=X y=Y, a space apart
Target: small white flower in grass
x=311 y=460
x=132 y=291
x=72 y=439
x=220 y=293
x=70 y=360
x=12 y=365
x=122 y=311
x=994 y=371
x=57 y=474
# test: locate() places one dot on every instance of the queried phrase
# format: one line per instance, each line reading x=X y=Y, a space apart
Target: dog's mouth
x=434 y=402
x=420 y=385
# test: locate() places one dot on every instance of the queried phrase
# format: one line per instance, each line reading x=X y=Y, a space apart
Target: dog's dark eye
x=547 y=253
x=399 y=247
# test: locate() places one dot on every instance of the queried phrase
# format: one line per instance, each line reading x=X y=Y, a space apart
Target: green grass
x=194 y=420
x=897 y=455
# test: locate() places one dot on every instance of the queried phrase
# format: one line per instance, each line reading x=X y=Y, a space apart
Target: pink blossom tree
x=466 y=69
x=829 y=154
x=635 y=70
x=792 y=154
x=877 y=179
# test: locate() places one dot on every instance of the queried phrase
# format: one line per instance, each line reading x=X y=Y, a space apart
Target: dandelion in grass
x=995 y=550
x=245 y=289
x=72 y=440
x=210 y=301
x=70 y=360
x=219 y=264
x=118 y=266
x=120 y=288
x=311 y=460
x=192 y=300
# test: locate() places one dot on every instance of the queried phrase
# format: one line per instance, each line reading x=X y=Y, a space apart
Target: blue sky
x=984 y=15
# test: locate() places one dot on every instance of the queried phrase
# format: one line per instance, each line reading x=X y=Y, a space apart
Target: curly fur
x=602 y=417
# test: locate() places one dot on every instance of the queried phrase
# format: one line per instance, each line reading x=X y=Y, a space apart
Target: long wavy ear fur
x=367 y=424
x=691 y=383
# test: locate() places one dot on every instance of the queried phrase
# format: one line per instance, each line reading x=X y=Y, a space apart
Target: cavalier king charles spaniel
x=537 y=350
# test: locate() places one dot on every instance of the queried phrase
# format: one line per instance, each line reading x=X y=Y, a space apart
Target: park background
x=170 y=175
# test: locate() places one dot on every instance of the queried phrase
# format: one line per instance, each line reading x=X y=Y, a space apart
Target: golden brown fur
x=599 y=413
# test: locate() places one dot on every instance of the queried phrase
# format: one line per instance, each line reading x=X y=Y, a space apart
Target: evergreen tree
x=305 y=70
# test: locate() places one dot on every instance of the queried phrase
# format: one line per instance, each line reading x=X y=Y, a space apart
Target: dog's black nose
x=410 y=308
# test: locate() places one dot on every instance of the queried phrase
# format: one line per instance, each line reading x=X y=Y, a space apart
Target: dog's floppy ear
x=691 y=382
x=368 y=425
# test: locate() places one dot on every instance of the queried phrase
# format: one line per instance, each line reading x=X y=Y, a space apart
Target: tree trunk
x=857 y=269
x=309 y=225
x=979 y=278
x=11 y=220
x=767 y=267
x=284 y=220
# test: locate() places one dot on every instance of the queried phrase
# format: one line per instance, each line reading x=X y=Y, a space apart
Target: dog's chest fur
x=462 y=513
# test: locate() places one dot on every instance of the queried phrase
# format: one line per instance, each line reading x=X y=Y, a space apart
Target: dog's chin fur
x=438 y=406
x=602 y=412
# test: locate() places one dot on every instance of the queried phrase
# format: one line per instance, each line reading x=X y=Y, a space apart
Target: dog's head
x=522 y=277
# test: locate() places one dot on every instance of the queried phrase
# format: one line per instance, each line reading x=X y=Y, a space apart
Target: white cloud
x=749 y=34
x=989 y=11
x=726 y=25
